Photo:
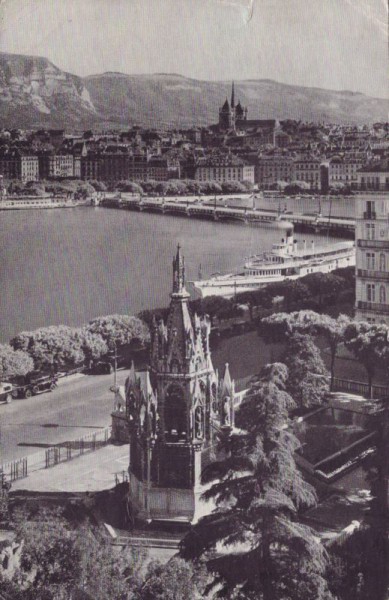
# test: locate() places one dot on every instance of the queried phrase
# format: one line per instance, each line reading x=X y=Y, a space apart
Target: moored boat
x=286 y=260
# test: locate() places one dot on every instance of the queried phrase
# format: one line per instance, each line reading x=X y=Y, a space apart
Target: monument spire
x=233 y=95
x=179 y=273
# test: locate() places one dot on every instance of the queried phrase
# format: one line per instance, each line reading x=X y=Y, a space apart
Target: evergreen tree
x=253 y=540
x=307 y=381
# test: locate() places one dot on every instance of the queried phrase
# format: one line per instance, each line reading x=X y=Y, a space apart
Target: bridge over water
x=248 y=216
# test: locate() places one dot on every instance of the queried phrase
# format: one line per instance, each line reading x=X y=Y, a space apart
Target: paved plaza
x=92 y=472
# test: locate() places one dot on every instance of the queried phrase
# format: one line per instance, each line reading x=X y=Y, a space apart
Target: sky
x=333 y=44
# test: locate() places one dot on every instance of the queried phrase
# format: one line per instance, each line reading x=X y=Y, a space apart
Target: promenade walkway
x=92 y=472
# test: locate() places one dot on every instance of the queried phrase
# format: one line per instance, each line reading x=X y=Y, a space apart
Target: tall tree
x=253 y=540
x=307 y=382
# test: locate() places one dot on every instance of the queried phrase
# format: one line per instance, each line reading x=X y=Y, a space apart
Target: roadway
x=83 y=404
x=80 y=405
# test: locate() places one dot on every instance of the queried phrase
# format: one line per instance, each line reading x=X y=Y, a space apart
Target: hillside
x=180 y=101
x=35 y=93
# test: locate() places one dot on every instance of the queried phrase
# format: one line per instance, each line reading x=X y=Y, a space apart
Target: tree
x=214 y=306
x=233 y=187
x=323 y=285
x=307 y=381
x=211 y=187
x=280 y=326
x=120 y=330
x=290 y=290
x=92 y=344
x=129 y=186
x=14 y=362
x=99 y=186
x=177 y=580
x=54 y=346
x=253 y=540
x=60 y=562
x=369 y=343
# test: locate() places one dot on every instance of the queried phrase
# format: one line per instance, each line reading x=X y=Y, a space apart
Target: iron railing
x=379 y=392
x=371 y=274
x=373 y=306
x=61 y=452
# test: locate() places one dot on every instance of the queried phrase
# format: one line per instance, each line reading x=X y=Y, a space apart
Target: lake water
x=70 y=265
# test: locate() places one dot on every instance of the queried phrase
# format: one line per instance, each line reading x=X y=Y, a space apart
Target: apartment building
x=374 y=177
x=308 y=170
x=56 y=165
x=372 y=258
x=15 y=165
x=343 y=171
x=270 y=169
x=224 y=169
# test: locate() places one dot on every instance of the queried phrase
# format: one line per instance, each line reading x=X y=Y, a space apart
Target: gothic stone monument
x=174 y=413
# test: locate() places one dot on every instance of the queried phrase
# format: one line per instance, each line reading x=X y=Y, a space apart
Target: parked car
x=6 y=390
x=34 y=383
x=107 y=363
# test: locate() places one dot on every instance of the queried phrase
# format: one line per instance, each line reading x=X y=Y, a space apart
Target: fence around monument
x=50 y=457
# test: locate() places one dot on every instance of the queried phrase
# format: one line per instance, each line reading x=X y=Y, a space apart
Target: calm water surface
x=70 y=265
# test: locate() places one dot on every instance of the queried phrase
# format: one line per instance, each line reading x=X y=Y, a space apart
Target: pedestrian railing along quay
x=50 y=457
x=379 y=392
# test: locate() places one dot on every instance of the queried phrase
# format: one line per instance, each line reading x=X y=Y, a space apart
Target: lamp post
x=115 y=364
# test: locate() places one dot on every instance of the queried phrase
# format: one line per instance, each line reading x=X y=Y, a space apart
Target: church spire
x=179 y=273
x=233 y=95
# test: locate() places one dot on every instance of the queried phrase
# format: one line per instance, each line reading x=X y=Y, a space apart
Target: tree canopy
x=253 y=541
x=307 y=382
x=177 y=580
x=54 y=346
x=280 y=326
x=119 y=329
x=61 y=562
x=14 y=362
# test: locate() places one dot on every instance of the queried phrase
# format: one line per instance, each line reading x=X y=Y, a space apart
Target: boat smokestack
x=304 y=245
x=312 y=245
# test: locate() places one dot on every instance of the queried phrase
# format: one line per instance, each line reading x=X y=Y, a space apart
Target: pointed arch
x=175 y=413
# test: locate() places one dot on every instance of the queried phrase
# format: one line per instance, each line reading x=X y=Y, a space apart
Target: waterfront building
x=15 y=164
x=307 y=169
x=55 y=165
x=343 y=171
x=173 y=413
x=374 y=176
x=90 y=164
x=372 y=258
x=271 y=169
x=224 y=168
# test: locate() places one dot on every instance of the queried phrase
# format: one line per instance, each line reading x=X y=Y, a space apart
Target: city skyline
x=339 y=45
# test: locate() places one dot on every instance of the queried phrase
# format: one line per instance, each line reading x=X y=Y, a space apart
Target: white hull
x=18 y=204
x=232 y=284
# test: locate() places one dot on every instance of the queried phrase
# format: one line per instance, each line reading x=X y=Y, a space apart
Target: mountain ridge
x=34 y=92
